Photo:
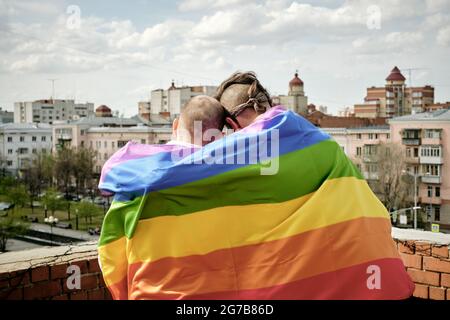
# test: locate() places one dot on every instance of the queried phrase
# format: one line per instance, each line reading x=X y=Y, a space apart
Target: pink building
x=426 y=139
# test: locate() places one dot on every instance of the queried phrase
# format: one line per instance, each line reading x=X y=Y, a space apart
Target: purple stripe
x=263 y=121
x=133 y=150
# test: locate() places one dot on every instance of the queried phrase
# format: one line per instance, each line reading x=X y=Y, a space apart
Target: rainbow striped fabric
x=206 y=224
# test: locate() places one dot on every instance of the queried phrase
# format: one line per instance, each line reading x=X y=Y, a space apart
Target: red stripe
x=345 y=284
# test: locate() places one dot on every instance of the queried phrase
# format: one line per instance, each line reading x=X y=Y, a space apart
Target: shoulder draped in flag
x=206 y=223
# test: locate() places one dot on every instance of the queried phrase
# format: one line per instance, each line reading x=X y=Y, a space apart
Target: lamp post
x=51 y=220
x=415 y=175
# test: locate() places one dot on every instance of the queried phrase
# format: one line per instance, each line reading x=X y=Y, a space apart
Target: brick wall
x=42 y=273
x=428 y=265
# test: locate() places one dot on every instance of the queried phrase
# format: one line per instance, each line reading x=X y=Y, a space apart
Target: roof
x=103 y=108
x=395 y=75
x=438 y=115
x=101 y=121
x=296 y=81
x=25 y=126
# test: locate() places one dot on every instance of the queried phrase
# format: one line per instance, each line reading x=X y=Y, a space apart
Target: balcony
x=431 y=179
x=411 y=141
x=412 y=160
x=431 y=160
x=427 y=200
x=65 y=137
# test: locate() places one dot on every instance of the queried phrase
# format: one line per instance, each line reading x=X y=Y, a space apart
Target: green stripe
x=300 y=172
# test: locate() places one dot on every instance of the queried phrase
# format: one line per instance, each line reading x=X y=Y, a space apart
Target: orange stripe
x=267 y=264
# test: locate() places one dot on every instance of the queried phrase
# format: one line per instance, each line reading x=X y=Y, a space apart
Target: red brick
x=4 y=284
x=435 y=264
x=406 y=247
x=61 y=297
x=4 y=275
x=101 y=281
x=16 y=294
x=21 y=278
x=440 y=252
x=97 y=294
x=448 y=294
x=40 y=274
x=411 y=260
x=421 y=291
x=82 y=264
x=93 y=266
x=437 y=293
x=42 y=290
x=445 y=280
x=423 y=248
x=89 y=282
x=80 y=295
x=424 y=277
x=59 y=271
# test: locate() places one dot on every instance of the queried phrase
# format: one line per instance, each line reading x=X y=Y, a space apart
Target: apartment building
x=426 y=140
x=19 y=142
x=395 y=98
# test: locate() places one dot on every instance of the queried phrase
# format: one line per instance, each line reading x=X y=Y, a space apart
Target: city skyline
x=120 y=52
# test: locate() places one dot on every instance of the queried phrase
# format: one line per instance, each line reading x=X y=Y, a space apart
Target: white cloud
x=195 y=5
x=443 y=36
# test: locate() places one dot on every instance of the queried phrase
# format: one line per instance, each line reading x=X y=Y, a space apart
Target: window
x=388 y=136
x=408 y=152
x=371 y=136
x=416 y=152
x=105 y=156
x=430 y=191
x=44 y=151
x=105 y=144
x=433 y=133
x=358 y=151
x=143 y=141
x=9 y=163
x=22 y=139
x=10 y=151
x=34 y=151
x=437 y=191
x=359 y=136
x=82 y=144
x=10 y=139
x=431 y=169
x=43 y=138
x=437 y=213
x=121 y=143
x=33 y=138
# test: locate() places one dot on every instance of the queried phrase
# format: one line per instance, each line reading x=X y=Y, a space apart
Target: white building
x=172 y=100
x=48 y=111
x=19 y=142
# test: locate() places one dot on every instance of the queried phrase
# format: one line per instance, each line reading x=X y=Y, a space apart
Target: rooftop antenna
x=53 y=88
x=410 y=70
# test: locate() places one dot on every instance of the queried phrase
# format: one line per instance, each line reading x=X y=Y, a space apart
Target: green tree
x=87 y=210
x=64 y=168
x=10 y=228
x=83 y=168
x=17 y=195
x=52 y=201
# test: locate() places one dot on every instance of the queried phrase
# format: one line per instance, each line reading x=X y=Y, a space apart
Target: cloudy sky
x=116 y=52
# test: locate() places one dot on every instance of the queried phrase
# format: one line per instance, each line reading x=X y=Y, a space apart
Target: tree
x=83 y=168
x=17 y=195
x=10 y=228
x=64 y=168
x=87 y=210
x=391 y=187
x=52 y=201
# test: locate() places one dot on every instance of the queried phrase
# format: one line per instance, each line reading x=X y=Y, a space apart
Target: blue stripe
x=159 y=171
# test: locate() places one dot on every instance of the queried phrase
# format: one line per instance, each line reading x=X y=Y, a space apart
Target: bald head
x=202 y=110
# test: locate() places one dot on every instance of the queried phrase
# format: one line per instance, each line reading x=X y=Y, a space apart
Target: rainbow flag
x=275 y=211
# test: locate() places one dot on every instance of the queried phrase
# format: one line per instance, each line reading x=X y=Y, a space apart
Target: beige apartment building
x=395 y=98
x=426 y=140
x=107 y=134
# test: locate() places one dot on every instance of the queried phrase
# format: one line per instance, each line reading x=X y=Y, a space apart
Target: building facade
x=395 y=98
x=19 y=142
x=172 y=100
x=426 y=140
x=6 y=116
x=107 y=134
x=49 y=111
x=295 y=100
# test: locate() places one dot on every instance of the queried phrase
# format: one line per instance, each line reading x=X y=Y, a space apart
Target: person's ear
x=233 y=124
x=175 y=127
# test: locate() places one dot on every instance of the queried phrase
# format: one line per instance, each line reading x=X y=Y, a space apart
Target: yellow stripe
x=336 y=201
x=113 y=261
